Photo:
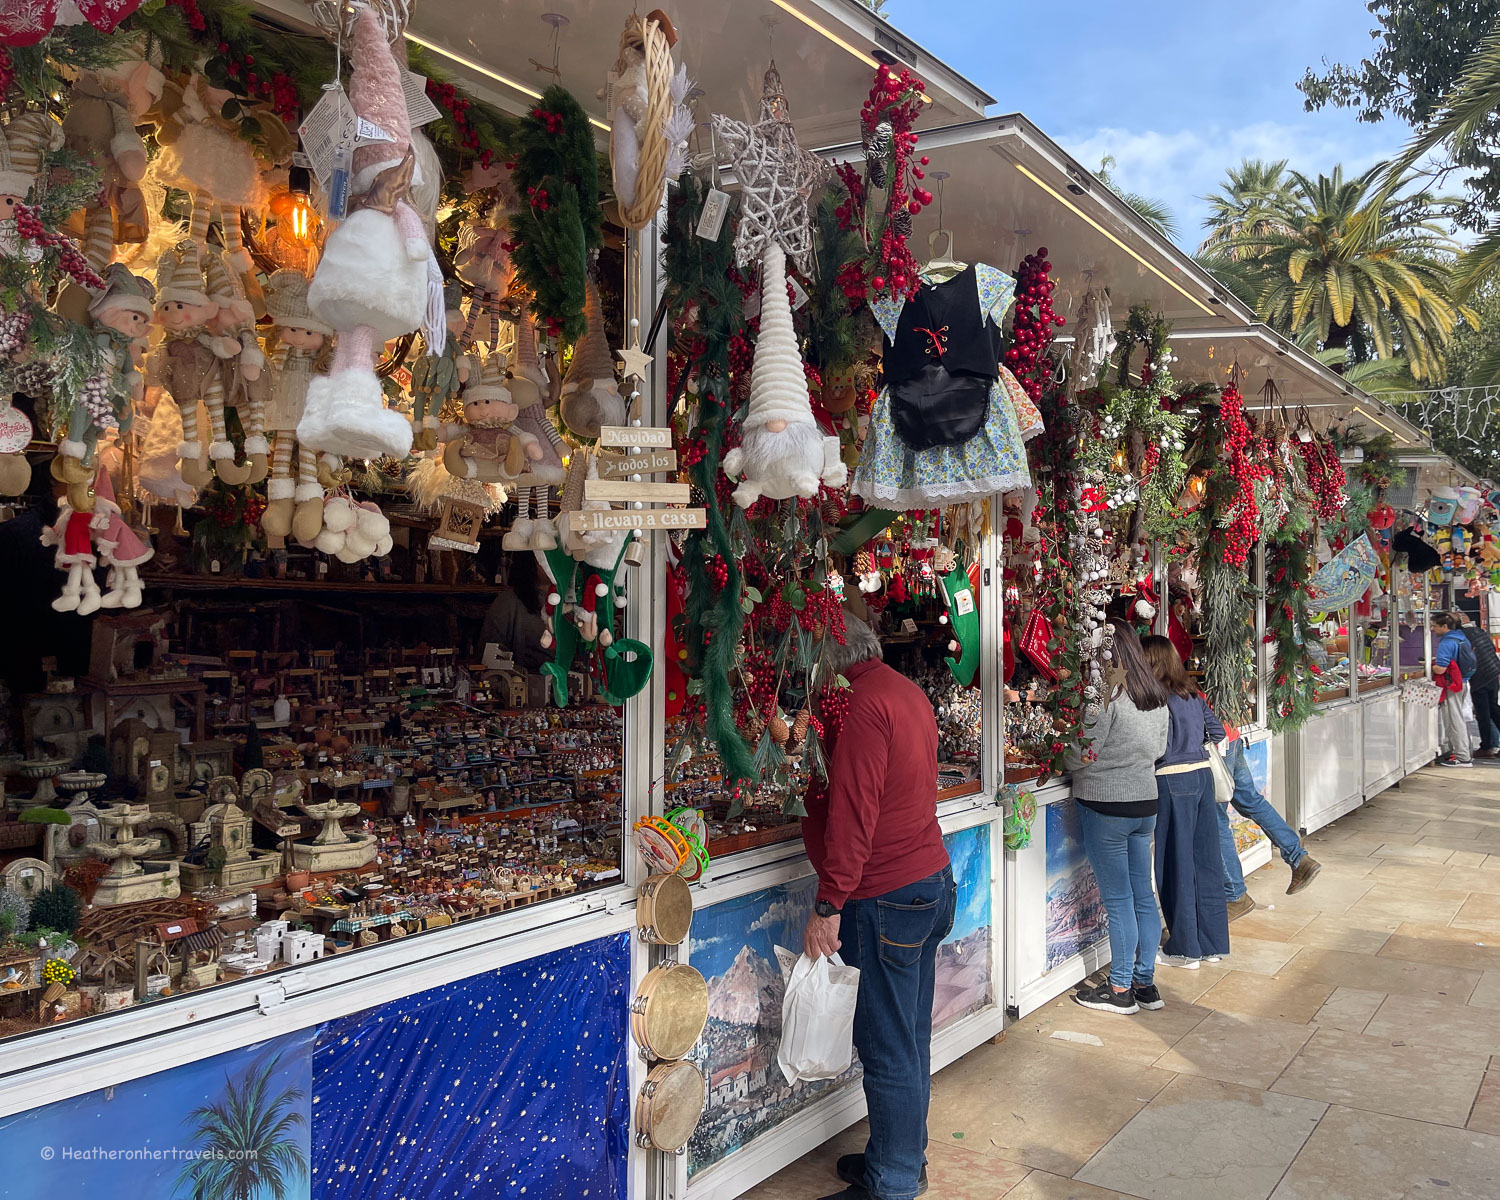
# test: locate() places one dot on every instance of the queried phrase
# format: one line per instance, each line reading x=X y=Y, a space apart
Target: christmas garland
x=1027 y=356
x=1227 y=600
x=704 y=299
x=560 y=225
x=1292 y=679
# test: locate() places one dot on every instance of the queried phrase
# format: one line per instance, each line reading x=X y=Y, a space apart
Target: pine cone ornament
x=779 y=731
x=799 y=727
x=878 y=146
x=901 y=222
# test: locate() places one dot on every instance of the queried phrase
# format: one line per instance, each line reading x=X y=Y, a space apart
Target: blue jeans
x=1249 y=803
x=893 y=939
x=1189 y=865
x=1119 y=851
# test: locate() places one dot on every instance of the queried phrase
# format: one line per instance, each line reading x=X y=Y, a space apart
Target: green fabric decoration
x=627 y=662
x=963 y=619
x=866 y=525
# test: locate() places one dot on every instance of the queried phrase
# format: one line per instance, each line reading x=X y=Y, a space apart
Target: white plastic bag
x=817 y=1018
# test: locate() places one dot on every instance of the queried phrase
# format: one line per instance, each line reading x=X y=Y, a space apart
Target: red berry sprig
x=1032 y=332
x=896 y=99
x=29 y=226
x=1244 y=527
x=457 y=106
x=1325 y=476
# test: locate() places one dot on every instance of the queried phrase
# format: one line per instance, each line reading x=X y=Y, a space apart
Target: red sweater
x=875 y=827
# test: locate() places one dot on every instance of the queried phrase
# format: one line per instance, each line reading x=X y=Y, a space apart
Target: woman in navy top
x=1189 y=869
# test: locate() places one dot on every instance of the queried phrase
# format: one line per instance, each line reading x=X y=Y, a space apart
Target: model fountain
x=334 y=849
x=129 y=879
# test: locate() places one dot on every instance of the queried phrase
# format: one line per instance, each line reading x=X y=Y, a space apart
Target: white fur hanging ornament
x=783 y=452
x=651 y=122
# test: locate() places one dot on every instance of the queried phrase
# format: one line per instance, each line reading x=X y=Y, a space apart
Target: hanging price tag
x=711 y=220
x=367 y=133
x=419 y=106
x=329 y=127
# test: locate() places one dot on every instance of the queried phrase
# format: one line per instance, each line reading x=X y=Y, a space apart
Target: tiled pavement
x=1341 y=1052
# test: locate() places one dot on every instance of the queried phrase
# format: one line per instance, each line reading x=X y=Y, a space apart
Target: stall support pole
x=651 y=1175
x=1262 y=654
x=992 y=723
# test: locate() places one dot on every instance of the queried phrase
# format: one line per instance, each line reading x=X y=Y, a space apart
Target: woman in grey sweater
x=1114 y=784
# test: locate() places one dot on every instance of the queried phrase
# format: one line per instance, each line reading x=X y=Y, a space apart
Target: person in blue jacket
x=1453 y=647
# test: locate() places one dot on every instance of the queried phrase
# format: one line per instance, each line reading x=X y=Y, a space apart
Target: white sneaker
x=1173 y=960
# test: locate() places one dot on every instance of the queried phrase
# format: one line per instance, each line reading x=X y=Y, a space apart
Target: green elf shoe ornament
x=575 y=620
x=959 y=595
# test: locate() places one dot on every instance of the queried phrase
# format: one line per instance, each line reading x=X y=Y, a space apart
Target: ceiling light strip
x=513 y=84
x=1073 y=208
x=835 y=39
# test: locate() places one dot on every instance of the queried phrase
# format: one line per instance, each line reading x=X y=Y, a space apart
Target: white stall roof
x=826 y=50
x=1010 y=190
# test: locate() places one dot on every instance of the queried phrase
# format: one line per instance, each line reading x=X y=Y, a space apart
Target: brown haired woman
x=1189 y=869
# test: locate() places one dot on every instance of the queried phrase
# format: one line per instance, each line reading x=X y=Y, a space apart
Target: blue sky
x=1175 y=90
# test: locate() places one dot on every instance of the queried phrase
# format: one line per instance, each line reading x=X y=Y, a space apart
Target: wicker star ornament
x=778 y=179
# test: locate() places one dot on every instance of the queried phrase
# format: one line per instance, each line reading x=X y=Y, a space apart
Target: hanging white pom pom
x=943 y=619
x=601 y=590
x=553 y=599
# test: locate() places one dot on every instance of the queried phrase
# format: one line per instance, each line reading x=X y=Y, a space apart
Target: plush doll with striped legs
x=437 y=376
x=533 y=528
x=103 y=112
x=193 y=356
x=299 y=347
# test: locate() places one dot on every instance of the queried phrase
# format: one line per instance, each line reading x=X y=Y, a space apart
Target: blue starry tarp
x=512 y=1084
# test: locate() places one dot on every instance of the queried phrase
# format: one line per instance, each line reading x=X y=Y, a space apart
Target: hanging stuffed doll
x=121 y=316
x=533 y=528
x=482 y=261
x=299 y=348
x=191 y=360
x=243 y=381
x=203 y=154
x=783 y=451
x=438 y=377
x=23 y=142
x=104 y=108
x=487 y=445
x=944 y=429
x=75 y=552
x=960 y=599
x=590 y=392
x=377 y=278
x=118 y=546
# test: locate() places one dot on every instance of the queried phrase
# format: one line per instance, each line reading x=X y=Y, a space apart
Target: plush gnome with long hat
x=119 y=547
x=533 y=528
x=784 y=452
x=377 y=278
x=590 y=392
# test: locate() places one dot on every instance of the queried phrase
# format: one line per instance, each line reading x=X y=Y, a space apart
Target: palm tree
x=1250 y=195
x=246 y=1141
x=1392 y=292
x=1154 y=212
x=1464 y=126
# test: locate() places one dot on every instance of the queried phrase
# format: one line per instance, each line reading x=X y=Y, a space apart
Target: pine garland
x=560 y=225
x=1292 y=681
x=700 y=281
x=1228 y=609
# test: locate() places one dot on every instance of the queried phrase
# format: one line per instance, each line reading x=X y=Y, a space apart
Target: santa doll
x=377 y=278
x=75 y=552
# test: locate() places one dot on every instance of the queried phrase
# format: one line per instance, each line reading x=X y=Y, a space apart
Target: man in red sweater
x=885 y=900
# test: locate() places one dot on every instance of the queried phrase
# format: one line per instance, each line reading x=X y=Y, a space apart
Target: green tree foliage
x=1246 y=204
x=1154 y=212
x=1418 y=61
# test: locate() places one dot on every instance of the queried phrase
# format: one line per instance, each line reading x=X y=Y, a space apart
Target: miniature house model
x=231 y=862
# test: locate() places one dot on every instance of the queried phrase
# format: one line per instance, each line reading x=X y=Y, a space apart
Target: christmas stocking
x=963 y=617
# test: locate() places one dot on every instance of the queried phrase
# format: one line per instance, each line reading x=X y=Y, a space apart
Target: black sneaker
x=1106 y=999
x=1448 y=760
x=851 y=1169
x=1149 y=997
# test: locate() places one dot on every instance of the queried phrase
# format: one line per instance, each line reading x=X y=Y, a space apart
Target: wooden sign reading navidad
x=646 y=451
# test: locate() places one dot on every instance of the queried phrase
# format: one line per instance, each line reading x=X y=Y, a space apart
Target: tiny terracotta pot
x=297 y=880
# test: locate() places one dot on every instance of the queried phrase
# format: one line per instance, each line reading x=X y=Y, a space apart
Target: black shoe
x=1448 y=760
x=851 y=1169
x=1106 y=999
x=1148 y=997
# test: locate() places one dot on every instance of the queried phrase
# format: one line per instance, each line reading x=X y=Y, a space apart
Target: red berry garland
x=1031 y=335
x=1244 y=528
x=1325 y=476
x=29 y=226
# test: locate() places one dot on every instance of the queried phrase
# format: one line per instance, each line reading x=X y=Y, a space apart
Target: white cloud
x=1178 y=168
x=784 y=913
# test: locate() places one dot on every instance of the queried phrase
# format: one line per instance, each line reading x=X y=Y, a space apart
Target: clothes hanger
x=941 y=267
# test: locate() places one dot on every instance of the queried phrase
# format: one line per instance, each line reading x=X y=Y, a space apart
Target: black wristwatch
x=824 y=909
